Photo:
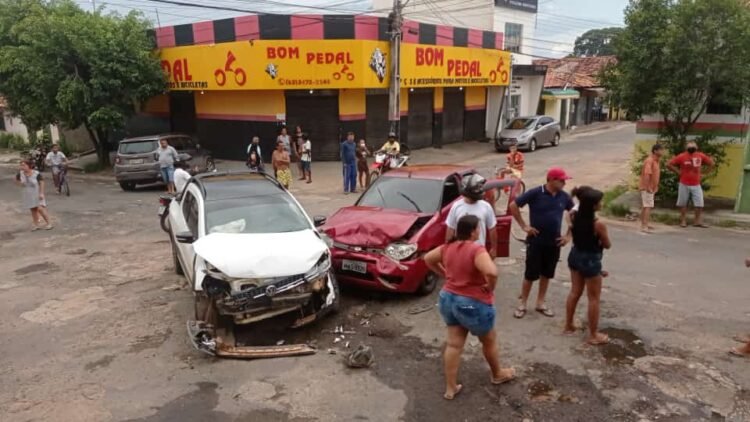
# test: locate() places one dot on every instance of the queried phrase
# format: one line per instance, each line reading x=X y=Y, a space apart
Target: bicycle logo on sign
x=499 y=71
x=240 y=77
x=344 y=71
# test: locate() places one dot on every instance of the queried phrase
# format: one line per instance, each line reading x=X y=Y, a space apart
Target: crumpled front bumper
x=382 y=272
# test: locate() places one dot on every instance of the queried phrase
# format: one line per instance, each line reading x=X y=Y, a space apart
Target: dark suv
x=136 y=162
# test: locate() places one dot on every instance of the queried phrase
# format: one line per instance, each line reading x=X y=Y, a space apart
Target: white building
x=516 y=19
x=475 y=14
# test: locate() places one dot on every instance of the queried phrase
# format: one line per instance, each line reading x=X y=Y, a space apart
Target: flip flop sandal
x=447 y=396
x=736 y=353
x=702 y=226
x=504 y=380
x=599 y=342
x=571 y=333
x=683 y=225
x=546 y=312
x=519 y=313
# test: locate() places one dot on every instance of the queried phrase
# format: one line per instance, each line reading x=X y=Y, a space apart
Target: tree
x=674 y=57
x=60 y=64
x=596 y=42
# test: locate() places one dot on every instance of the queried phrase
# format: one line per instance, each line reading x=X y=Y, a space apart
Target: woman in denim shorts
x=466 y=301
x=590 y=238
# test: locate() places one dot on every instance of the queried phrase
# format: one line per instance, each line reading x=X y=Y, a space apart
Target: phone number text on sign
x=426 y=66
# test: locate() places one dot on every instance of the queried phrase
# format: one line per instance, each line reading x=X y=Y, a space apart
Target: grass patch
x=93 y=167
x=608 y=205
x=666 y=218
x=726 y=224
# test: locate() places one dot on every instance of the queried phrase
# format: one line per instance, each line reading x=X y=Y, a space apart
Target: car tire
x=556 y=140
x=532 y=145
x=127 y=186
x=177 y=266
x=428 y=285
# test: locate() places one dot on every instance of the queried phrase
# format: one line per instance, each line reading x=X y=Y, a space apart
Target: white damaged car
x=251 y=253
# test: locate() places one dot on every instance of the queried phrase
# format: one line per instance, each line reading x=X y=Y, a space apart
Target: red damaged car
x=379 y=242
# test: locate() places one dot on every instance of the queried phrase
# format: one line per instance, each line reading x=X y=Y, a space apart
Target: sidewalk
x=718 y=218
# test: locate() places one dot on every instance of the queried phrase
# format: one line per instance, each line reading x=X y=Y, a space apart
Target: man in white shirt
x=472 y=204
x=56 y=159
x=306 y=158
x=181 y=176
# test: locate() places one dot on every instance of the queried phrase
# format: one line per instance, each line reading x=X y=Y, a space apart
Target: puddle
x=34 y=268
x=624 y=346
x=540 y=391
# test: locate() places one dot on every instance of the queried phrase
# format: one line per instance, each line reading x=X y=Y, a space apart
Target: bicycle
x=62 y=181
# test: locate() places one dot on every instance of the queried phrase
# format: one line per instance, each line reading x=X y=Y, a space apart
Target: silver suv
x=136 y=163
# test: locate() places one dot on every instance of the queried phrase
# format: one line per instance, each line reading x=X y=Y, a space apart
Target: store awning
x=560 y=94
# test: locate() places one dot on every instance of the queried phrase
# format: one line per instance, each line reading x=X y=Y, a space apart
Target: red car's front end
x=382 y=249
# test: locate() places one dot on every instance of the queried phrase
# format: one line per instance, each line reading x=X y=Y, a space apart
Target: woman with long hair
x=466 y=301
x=32 y=188
x=590 y=238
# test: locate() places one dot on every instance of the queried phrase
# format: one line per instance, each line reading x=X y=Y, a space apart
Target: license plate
x=355 y=266
x=162 y=208
x=138 y=161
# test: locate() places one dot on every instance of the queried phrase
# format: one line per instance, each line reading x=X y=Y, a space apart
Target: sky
x=558 y=22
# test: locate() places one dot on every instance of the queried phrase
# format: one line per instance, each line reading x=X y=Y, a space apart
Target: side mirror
x=185 y=237
x=319 y=220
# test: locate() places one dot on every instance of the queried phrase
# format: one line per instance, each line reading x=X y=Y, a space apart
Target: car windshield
x=420 y=195
x=258 y=214
x=518 y=124
x=143 y=147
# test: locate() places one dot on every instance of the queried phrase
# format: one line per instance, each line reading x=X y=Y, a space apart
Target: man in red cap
x=547 y=206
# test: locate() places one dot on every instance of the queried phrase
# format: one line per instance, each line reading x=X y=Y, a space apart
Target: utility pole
x=395 y=19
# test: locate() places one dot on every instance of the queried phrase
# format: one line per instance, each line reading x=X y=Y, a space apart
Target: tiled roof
x=574 y=72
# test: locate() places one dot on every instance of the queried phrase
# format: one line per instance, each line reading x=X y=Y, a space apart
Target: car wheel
x=127 y=186
x=210 y=165
x=556 y=140
x=177 y=266
x=428 y=284
x=532 y=145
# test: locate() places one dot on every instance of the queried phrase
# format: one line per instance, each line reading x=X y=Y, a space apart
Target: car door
x=434 y=235
x=548 y=129
x=183 y=217
x=504 y=193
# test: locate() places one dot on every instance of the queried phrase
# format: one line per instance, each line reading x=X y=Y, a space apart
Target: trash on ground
x=361 y=357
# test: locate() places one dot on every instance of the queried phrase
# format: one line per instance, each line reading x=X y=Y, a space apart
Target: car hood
x=513 y=133
x=261 y=255
x=369 y=226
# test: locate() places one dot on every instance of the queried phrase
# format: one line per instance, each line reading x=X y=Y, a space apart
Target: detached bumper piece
x=202 y=337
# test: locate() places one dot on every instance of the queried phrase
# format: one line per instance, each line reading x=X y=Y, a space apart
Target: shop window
x=513 y=37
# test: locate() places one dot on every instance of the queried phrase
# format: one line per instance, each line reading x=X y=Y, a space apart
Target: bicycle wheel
x=374 y=176
x=64 y=187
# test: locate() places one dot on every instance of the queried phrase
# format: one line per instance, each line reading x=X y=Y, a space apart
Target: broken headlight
x=400 y=251
x=318 y=275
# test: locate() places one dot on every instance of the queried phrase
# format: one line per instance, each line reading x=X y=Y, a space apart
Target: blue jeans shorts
x=589 y=264
x=477 y=317
x=306 y=165
x=167 y=174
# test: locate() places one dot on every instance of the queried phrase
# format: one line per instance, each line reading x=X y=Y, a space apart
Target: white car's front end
x=253 y=277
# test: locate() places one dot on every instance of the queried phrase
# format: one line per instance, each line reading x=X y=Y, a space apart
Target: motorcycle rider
x=56 y=159
x=391 y=146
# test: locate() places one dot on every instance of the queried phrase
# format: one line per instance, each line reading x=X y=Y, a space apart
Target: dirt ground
x=93 y=322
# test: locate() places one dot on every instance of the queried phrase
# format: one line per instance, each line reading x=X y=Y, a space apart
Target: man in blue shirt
x=349 y=160
x=547 y=206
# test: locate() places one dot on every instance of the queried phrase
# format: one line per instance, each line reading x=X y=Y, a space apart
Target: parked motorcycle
x=385 y=161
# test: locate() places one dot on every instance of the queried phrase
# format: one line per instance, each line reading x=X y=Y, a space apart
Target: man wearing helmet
x=472 y=189
x=391 y=146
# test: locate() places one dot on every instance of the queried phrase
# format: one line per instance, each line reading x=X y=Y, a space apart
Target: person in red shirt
x=689 y=165
x=467 y=301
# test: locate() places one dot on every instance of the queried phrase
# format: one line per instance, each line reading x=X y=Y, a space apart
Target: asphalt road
x=93 y=323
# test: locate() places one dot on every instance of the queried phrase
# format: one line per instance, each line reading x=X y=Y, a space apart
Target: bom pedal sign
x=272 y=64
x=432 y=65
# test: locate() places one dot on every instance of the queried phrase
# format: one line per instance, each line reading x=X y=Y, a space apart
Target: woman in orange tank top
x=466 y=301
